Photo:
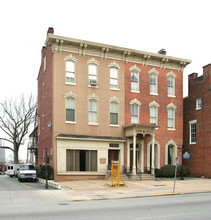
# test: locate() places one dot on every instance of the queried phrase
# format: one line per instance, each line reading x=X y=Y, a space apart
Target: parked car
x=27 y=172
x=12 y=170
x=1 y=172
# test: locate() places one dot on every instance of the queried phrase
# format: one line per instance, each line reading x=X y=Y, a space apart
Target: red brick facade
x=45 y=102
x=162 y=134
x=200 y=152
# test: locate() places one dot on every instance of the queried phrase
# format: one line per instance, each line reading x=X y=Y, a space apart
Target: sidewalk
x=95 y=189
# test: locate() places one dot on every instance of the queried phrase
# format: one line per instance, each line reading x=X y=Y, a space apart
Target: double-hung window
x=70 y=109
x=134 y=80
x=171 y=86
x=70 y=72
x=92 y=74
x=198 y=103
x=192 y=132
x=171 y=118
x=113 y=113
x=113 y=78
x=134 y=113
x=153 y=83
x=153 y=115
x=92 y=111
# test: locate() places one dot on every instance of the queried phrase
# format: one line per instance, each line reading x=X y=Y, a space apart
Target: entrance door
x=112 y=155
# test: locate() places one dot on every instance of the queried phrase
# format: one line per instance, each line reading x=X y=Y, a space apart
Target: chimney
x=207 y=74
x=162 y=52
x=50 y=30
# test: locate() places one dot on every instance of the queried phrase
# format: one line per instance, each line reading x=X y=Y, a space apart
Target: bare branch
x=4 y=147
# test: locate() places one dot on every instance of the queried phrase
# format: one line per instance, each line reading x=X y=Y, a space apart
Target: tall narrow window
x=44 y=63
x=70 y=109
x=134 y=80
x=198 y=103
x=70 y=72
x=153 y=115
x=134 y=113
x=153 y=83
x=192 y=136
x=171 y=86
x=92 y=74
x=114 y=113
x=92 y=111
x=171 y=118
x=113 y=78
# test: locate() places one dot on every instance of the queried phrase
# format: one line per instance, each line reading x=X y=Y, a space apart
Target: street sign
x=186 y=155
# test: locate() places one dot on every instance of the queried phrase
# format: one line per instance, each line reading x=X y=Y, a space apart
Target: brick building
x=99 y=102
x=197 y=123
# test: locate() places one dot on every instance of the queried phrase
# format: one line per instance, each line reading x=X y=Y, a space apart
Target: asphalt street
x=12 y=184
x=175 y=207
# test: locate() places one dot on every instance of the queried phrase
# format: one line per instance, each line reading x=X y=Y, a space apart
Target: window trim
x=138 y=70
x=115 y=125
x=198 y=104
x=156 y=73
x=155 y=105
x=116 y=66
x=173 y=75
x=193 y=122
x=71 y=58
x=69 y=121
x=173 y=107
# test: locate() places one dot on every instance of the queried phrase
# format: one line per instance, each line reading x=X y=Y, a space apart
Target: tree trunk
x=16 y=148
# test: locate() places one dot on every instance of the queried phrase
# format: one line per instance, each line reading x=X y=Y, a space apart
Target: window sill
x=71 y=84
x=116 y=126
x=171 y=96
x=92 y=123
x=133 y=91
x=70 y=122
x=198 y=109
x=115 y=89
x=192 y=143
x=171 y=129
x=153 y=93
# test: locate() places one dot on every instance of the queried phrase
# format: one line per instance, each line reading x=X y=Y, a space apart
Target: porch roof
x=131 y=129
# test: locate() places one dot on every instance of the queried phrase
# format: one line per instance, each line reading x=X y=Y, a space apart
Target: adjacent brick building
x=99 y=102
x=197 y=123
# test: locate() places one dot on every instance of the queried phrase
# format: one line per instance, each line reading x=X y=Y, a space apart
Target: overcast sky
x=182 y=27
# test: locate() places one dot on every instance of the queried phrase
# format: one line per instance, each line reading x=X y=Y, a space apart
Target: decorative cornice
x=135 y=68
x=82 y=47
x=114 y=99
x=154 y=103
x=114 y=64
x=135 y=101
x=70 y=94
x=171 y=105
x=93 y=96
x=171 y=73
x=71 y=57
x=93 y=61
x=153 y=70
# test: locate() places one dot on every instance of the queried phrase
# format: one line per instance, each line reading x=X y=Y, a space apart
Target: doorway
x=112 y=155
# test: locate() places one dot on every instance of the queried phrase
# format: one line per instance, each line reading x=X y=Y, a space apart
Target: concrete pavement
x=95 y=189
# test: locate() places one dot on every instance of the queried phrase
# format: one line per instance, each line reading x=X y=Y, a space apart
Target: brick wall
x=45 y=105
x=162 y=135
x=200 y=153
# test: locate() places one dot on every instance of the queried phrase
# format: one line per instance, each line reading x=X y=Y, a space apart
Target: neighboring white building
x=2 y=155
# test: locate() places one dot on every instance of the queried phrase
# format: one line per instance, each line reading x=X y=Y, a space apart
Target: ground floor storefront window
x=81 y=160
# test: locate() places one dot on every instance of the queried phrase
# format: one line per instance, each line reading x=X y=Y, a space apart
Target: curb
x=50 y=183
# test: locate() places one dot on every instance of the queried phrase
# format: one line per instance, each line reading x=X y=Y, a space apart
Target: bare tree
x=15 y=119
